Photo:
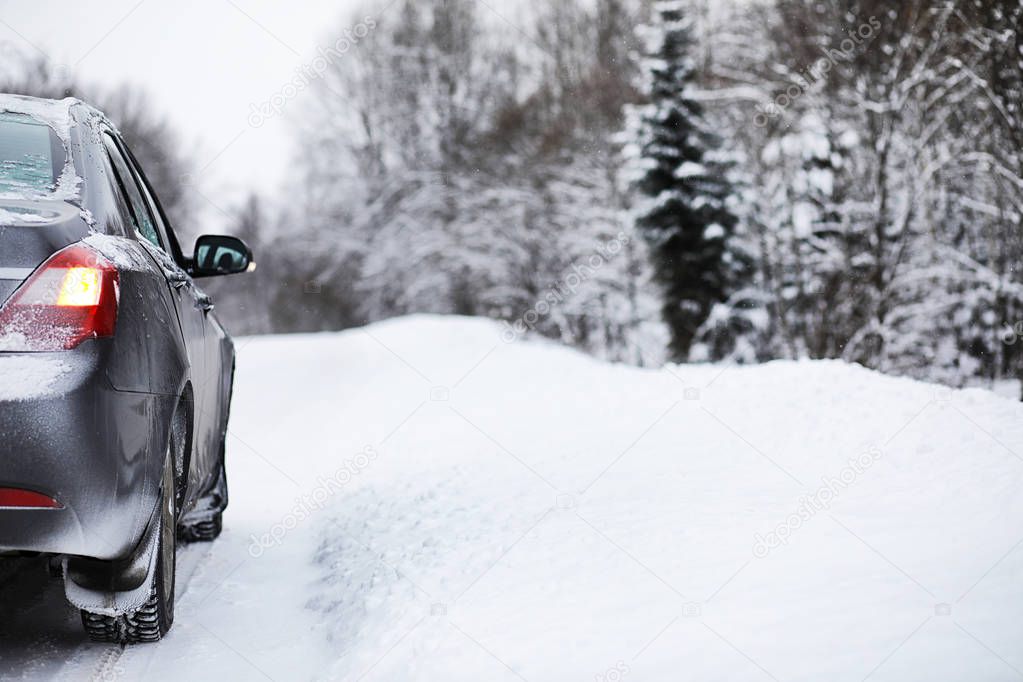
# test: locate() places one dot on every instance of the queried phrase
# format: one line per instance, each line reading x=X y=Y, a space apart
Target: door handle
x=177 y=279
x=204 y=303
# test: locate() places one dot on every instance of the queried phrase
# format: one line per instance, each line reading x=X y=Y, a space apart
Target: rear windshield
x=31 y=156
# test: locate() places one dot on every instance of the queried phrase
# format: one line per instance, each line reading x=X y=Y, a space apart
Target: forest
x=680 y=181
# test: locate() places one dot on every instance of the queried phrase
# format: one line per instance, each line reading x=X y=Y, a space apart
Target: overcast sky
x=204 y=62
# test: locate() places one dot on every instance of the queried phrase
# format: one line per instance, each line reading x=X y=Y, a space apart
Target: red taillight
x=27 y=499
x=68 y=299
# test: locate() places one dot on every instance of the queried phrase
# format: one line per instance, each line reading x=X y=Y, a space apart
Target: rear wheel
x=202 y=531
x=151 y=621
x=213 y=503
x=210 y=508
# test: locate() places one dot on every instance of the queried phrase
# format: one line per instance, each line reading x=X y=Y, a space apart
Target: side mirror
x=221 y=255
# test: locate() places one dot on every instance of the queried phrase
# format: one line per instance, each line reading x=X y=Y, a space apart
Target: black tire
x=209 y=529
x=151 y=621
x=203 y=531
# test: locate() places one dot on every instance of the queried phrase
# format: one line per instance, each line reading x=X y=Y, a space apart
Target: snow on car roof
x=56 y=114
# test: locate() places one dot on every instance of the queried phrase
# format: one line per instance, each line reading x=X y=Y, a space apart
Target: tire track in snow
x=191 y=560
x=44 y=640
x=109 y=669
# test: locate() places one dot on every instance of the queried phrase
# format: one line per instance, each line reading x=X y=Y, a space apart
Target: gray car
x=115 y=375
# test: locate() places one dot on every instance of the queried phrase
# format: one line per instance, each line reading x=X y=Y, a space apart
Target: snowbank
x=420 y=500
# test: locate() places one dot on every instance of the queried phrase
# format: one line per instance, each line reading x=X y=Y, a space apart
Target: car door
x=219 y=346
x=208 y=423
x=190 y=303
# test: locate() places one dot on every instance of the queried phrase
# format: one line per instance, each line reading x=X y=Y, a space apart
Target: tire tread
x=203 y=531
x=140 y=626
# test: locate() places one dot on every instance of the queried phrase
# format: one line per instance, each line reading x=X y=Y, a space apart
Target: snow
x=17 y=216
x=28 y=376
x=124 y=253
x=57 y=115
x=714 y=231
x=420 y=500
x=54 y=113
x=689 y=169
x=803 y=215
x=822 y=180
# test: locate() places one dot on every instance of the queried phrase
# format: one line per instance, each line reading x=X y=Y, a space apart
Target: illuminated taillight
x=16 y=498
x=70 y=298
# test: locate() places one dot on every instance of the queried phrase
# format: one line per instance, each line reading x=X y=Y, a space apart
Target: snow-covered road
x=421 y=501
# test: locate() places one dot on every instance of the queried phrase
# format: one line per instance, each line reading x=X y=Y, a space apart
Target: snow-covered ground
x=421 y=501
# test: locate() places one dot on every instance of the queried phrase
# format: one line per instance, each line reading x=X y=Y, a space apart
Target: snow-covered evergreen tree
x=680 y=174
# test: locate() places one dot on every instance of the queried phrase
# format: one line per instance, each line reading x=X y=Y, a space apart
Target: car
x=115 y=373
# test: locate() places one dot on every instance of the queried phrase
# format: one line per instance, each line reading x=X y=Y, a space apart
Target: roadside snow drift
x=419 y=500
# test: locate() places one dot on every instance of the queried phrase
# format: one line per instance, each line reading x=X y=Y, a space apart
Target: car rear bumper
x=66 y=433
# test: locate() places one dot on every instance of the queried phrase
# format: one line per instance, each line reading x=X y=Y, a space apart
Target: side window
x=118 y=215
x=140 y=214
x=162 y=228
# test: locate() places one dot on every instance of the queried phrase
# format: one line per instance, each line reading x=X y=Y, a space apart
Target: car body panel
x=85 y=444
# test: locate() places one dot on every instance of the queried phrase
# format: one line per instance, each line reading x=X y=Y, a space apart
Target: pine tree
x=680 y=176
